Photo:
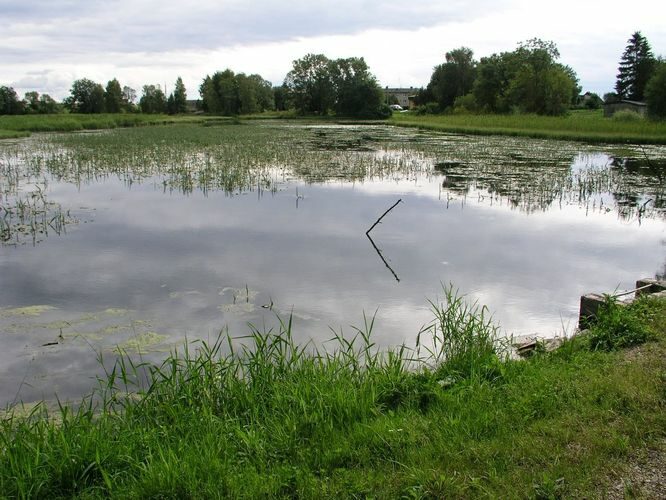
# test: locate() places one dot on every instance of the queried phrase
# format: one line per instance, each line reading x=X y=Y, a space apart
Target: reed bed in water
x=261 y=416
x=530 y=175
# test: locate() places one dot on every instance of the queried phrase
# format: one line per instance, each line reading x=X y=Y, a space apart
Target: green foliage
x=465 y=104
x=429 y=108
x=528 y=79
x=68 y=122
x=113 y=96
x=10 y=104
x=655 y=92
x=318 y=85
x=463 y=339
x=356 y=89
x=274 y=419
x=454 y=78
x=310 y=85
x=177 y=101
x=636 y=68
x=281 y=98
x=231 y=94
x=41 y=104
x=589 y=100
x=493 y=77
x=86 y=96
x=627 y=116
x=129 y=99
x=583 y=125
x=618 y=326
x=153 y=100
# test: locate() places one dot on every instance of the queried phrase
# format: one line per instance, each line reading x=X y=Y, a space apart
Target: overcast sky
x=46 y=44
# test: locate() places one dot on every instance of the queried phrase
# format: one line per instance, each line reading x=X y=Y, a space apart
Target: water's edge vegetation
x=585 y=126
x=261 y=416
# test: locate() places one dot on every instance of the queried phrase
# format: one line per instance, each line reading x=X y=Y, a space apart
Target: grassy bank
x=13 y=134
x=22 y=125
x=275 y=419
x=588 y=126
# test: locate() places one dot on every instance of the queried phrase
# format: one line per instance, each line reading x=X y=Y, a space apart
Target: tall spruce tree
x=636 y=68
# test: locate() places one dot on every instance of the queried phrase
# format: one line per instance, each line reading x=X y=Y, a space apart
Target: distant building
x=192 y=106
x=610 y=108
x=405 y=97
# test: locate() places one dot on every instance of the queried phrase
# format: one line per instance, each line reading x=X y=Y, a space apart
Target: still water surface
x=144 y=260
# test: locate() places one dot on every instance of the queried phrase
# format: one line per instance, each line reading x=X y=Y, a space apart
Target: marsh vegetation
x=186 y=229
x=266 y=416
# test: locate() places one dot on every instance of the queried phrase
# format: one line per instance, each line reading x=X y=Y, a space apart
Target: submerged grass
x=588 y=126
x=270 y=418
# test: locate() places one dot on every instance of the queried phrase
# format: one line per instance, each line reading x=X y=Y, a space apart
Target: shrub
x=626 y=115
x=430 y=108
x=465 y=104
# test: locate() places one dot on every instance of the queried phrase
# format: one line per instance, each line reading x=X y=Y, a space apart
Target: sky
x=47 y=44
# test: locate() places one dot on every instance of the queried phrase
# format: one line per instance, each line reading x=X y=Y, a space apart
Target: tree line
x=87 y=96
x=529 y=79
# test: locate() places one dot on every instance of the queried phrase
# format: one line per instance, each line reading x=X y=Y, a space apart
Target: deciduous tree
x=318 y=85
x=528 y=79
x=454 y=78
x=10 y=104
x=31 y=100
x=86 y=96
x=113 y=97
x=152 y=100
x=655 y=92
x=357 y=92
x=228 y=93
x=129 y=98
x=310 y=85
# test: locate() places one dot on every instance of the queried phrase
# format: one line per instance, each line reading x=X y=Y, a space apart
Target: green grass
x=74 y=122
x=275 y=419
x=12 y=134
x=589 y=126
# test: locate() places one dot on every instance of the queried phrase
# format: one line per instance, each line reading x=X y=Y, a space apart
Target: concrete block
x=589 y=305
x=649 y=286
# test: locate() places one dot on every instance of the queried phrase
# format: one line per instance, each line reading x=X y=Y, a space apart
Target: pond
x=138 y=239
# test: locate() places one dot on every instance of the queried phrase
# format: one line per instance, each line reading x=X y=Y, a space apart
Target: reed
x=262 y=415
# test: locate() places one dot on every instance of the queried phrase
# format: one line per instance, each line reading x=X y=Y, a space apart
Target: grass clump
x=627 y=116
x=263 y=416
x=464 y=339
x=618 y=326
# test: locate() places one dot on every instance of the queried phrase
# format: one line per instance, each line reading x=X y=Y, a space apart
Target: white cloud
x=154 y=42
